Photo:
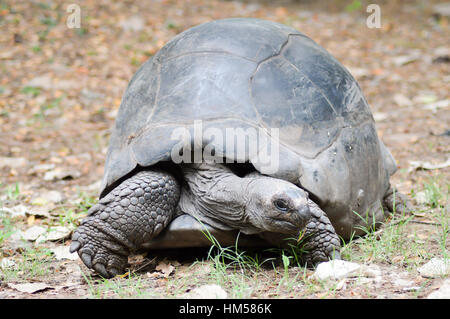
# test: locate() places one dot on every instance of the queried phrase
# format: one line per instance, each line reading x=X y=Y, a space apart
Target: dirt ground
x=60 y=89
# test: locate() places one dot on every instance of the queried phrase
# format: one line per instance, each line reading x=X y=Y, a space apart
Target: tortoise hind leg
x=394 y=201
x=129 y=216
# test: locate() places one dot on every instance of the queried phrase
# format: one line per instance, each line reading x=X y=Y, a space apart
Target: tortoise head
x=276 y=205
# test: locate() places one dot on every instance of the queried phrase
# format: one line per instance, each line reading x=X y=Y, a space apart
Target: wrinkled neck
x=217 y=181
x=215 y=195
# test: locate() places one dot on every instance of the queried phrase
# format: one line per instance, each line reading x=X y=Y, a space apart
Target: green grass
x=437 y=200
x=36 y=49
x=397 y=241
x=48 y=21
x=12 y=192
x=7 y=223
x=443 y=235
x=231 y=267
x=81 y=31
x=433 y=193
x=69 y=217
x=272 y=272
x=130 y=286
x=436 y=209
x=73 y=215
x=7 y=227
x=353 y=6
x=243 y=272
x=33 y=264
x=389 y=243
x=31 y=90
x=53 y=104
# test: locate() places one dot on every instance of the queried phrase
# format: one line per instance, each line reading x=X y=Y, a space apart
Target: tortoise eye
x=281 y=204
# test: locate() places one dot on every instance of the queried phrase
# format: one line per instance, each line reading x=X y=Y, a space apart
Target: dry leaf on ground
x=165 y=268
x=30 y=287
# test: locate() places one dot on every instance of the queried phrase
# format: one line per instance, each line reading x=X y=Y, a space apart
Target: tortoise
x=309 y=163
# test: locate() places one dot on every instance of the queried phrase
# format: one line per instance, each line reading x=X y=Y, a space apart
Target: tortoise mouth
x=290 y=222
x=285 y=226
x=293 y=228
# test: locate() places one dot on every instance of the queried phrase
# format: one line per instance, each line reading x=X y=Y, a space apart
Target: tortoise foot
x=123 y=221
x=396 y=202
x=316 y=243
x=99 y=251
x=321 y=241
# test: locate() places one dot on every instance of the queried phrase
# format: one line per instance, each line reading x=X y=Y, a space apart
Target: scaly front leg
x=317 y=242
x=321 y=241
x=130 y=215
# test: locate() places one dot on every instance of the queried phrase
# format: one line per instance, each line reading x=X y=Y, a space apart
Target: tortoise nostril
x=304 y=213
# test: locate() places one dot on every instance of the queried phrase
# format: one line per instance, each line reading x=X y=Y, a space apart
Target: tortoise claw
x=114 y=272
x=74 y=246
x=87 y=259
x=100 y=268
x=94 y=249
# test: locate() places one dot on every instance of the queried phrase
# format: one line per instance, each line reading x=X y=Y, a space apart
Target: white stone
x=401 y=282
x=335 y=269
x=53 y=196
x=380 y=116
x=134 y=23
x=405 y=59
x=402 y=100
x=30 y=287
x=435 y=267
x=62 y=252
x=33 y=233
x=54 y=233
x=60 y=173
x=38 y=211
x=94 y=187
x=442 y=9
x=421 y=198
x=44 y=82
x=207 y=292
x=13 y=162
x=16 y=211
x=443 y=292
x=41 y=168
x=7 y=263
x=359 y=72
